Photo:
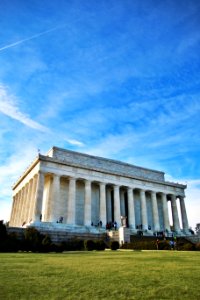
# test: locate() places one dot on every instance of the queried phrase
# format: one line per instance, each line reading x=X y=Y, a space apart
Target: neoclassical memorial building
x=80 y=192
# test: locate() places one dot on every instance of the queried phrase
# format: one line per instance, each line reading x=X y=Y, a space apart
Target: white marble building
x=79 y=190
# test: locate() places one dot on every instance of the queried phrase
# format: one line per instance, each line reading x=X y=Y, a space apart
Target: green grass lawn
x=101 y=275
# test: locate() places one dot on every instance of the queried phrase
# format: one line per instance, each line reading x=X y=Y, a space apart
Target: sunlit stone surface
x=72 y=191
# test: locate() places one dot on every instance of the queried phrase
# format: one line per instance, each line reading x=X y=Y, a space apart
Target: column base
x=186 y=232
x=133 y=230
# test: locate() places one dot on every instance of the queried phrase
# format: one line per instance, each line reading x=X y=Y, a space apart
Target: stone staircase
x=62 y=232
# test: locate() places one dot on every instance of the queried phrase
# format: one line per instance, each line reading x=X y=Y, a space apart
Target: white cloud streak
x=8 y=106
x=75 y=142
x=31 y=37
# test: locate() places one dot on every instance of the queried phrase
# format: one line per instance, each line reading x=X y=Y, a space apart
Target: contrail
x=31 y=38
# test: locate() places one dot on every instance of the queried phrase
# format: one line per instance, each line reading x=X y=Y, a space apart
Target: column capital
x=55 y=175
x=153 y=192
x=41 y=173
x=164 y=194
x=116 y=188
x=72 y=178
x=173 y=196
x=88 y=181
x=142 y=190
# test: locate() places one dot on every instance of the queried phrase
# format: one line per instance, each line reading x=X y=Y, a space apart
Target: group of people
x=60 y=220
x=98 y=225
x=159 y=234
x=172 y=243
x=111 y=225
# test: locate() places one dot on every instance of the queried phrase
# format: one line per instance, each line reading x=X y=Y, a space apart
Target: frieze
x=103 y=164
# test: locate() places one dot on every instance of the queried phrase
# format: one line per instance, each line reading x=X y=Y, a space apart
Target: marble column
x=12 y=215
x=24 y=218
x=87 y=206
x=32 y=199
x=155 y=211
x=102 y=214
x=37 y=209
x=131 y=209
x=54 y=199
x=11 y=223
x=21 y=207
x=165 y=212
x=29 y=200
x=117 y=214
x=47 y=198
x=18 y=208
x=176 y=223
x=71 y=211
x=143 y=210
x=23 y=215
x=184 y=214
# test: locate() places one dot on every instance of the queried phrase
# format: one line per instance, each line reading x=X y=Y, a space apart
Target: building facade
x=80 y=191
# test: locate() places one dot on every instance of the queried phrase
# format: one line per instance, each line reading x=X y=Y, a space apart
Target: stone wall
x=58 y=236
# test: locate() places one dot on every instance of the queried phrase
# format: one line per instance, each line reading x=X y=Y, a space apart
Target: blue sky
x=118 y=79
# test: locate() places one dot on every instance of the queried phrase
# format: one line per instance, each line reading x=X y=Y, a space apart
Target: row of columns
x=27 y=205
x=24 y=202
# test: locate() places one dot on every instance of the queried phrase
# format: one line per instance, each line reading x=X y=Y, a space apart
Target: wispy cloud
x=31 y=38
x=75 y=142
x=9 y=107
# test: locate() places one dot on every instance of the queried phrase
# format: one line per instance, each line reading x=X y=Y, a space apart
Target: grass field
x=101 y=275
